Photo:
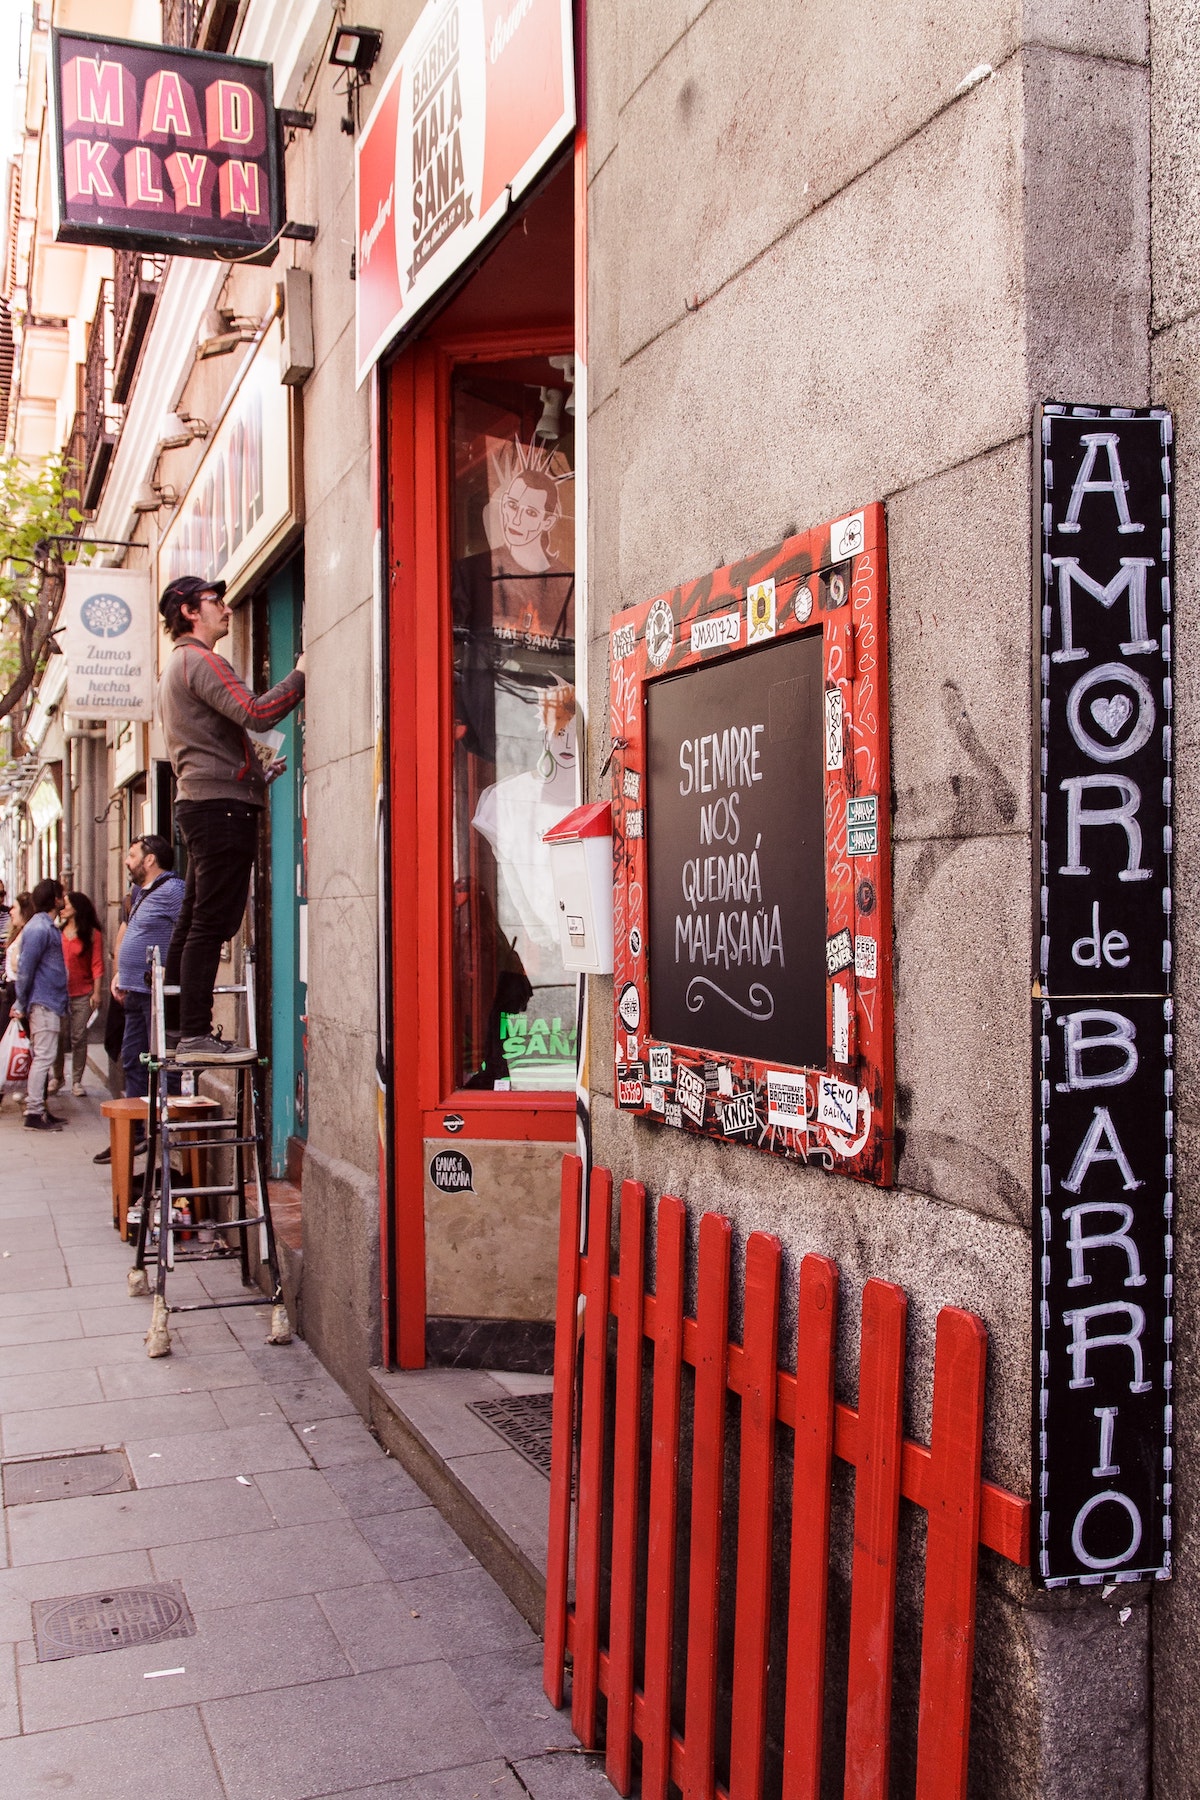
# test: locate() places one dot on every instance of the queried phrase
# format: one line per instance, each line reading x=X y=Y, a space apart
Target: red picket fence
x=963 y=1511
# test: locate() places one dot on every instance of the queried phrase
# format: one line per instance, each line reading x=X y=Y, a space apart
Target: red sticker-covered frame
x=831 y=579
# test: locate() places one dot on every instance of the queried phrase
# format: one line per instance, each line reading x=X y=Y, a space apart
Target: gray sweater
x=206 y=711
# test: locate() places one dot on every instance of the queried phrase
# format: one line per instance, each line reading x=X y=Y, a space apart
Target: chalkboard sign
x=752 y=952
x=1104 y=1123
x=736 y=845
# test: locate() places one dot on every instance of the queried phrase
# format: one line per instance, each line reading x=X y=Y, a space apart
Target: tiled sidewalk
x=346 y=1642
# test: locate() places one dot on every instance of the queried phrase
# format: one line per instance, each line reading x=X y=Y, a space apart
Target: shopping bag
x=15 y=1055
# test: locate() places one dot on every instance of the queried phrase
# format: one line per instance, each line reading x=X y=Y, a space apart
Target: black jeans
x=222 y=839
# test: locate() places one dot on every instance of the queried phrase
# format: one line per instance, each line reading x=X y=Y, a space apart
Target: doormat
x=523 y=1421
x=66 y=1477
x=116 y=1619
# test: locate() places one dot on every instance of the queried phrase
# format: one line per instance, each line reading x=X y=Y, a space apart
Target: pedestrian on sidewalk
x=207 y=713
x=83 y=952
x=20 y=915
x=42 y=998
x=153 y=912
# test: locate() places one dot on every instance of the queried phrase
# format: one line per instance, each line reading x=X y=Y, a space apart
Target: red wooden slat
x=876 y=1525
x=708 y=1484
x=664 y=1496
x=756 y=1508
x=951 y=1556
x=562 y=1430
x=626 y=1436
x=589 y=1510
x=808 y=1593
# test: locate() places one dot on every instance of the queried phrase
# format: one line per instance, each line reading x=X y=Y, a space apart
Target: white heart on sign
x=1112 y=714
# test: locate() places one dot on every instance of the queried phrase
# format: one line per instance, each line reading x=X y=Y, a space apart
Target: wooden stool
x=122 y=1115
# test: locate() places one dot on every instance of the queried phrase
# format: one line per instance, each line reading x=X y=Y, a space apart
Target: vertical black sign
x=1103 y=1033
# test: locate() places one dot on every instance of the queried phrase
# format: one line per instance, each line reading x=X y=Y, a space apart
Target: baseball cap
x=188 y=588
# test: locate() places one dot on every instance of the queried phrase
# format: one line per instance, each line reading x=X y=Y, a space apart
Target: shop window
x=514 y=744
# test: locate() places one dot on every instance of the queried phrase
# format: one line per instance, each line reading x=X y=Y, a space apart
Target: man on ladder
x=207 y=713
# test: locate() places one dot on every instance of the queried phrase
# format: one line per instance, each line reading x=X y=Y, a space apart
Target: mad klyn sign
x=161 y=149
x=1104 y=1109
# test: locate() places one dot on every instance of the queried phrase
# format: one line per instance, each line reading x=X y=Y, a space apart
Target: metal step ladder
x=168 y=1206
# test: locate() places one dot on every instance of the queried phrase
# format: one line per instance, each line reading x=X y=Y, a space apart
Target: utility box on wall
x=751 y=814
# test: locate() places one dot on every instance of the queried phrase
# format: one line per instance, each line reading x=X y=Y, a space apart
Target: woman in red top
x=83 y=953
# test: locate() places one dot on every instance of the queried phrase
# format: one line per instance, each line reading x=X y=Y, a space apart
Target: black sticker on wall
x=451 y=1173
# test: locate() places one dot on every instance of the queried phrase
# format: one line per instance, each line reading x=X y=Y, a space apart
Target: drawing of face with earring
x=556 y=765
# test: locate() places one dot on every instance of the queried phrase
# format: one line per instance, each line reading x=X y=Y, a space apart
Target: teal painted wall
x=289 y=1070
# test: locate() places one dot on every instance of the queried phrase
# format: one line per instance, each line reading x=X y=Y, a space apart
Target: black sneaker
x=193 y=1052
x=104 y=1157
x=40 y=1121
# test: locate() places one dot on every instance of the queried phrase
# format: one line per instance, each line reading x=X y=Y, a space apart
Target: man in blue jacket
x=152 y=916
x=42 y=998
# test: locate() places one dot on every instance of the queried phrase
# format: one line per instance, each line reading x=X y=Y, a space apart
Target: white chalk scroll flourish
x=762 y=1000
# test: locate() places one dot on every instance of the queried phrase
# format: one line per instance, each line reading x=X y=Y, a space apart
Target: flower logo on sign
x=105 y=615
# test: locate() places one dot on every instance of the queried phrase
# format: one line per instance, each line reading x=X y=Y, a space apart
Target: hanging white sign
x=108 y=641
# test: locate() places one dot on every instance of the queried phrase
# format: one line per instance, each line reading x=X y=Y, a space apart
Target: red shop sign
x=479 y=99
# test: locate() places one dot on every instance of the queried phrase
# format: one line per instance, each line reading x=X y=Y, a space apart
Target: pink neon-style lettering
x=169 y=111
x=240 y=190
x=143 y=178
x=191 y=179
x=100 y=95
x=89 y=168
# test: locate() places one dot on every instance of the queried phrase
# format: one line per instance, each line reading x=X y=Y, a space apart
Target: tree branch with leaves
x=39 y=524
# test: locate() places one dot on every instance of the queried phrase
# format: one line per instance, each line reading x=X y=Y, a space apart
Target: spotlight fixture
x=549 y=426
x=180 y=429
x=356 y=47
x=355 y=50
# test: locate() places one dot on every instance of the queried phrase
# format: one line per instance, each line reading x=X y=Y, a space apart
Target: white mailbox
x=581 y=863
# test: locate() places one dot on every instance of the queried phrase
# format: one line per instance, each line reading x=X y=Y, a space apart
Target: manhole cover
x=116 y=1619
x=66 y=1477
x=523 y=1421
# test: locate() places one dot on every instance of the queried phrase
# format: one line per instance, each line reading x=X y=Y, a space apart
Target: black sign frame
x=233 y=243
x=1102 y=995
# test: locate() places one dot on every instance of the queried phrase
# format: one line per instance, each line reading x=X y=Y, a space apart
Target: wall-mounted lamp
x=549 y=426
x=222 y=331
x=178 y=430
x=153 y=495
x=355 y=49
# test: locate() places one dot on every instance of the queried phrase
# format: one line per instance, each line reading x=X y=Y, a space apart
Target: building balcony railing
x=179 y=21
x=135 y=285
x=100 y=418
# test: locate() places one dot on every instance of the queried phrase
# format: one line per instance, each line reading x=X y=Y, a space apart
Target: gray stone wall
x=340 y=1293
x=1175 y=362
x=824 y=272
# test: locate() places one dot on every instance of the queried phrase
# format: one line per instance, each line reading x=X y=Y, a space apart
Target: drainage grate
x=66 y=1477
x=86 y=1624
x=523 y=1421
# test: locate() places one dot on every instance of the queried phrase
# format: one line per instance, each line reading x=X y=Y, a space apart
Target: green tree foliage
x=39 y=518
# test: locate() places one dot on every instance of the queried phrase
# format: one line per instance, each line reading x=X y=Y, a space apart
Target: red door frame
x=419 y=729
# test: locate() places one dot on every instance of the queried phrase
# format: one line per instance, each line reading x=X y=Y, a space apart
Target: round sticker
x=635 y=942
x=659 y=633
x=803 y=603
x=452 y=1121
x=629 y=1006
x=865 y=898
